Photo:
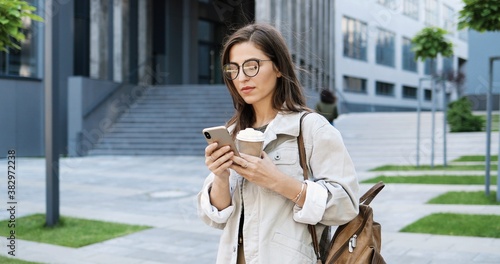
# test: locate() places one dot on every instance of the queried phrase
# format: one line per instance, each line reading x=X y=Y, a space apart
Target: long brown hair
x=287 y=96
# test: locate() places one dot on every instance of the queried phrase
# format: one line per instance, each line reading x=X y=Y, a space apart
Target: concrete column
x=289 y=22
x=98 y=39
x=144 y=42
x=314 y=50
x=331 y=46
x=307 y=42
x=263 y=11
x=298 y=39
x=278 y=19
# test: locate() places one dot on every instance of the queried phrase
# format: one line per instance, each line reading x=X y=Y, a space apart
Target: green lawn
x=69 y=232
x=474 y=198
x=13 y=260
x=436 y=167
x=476 y=158
x=494 y=122
x=432 y=179
x=457 y=225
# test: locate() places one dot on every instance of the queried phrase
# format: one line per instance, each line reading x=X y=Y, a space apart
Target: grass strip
x=475 y=158
x=432 y=179
x=69 y=232
x=463 y=197
x=13 y=260
x=436 y=167
x=457 y=225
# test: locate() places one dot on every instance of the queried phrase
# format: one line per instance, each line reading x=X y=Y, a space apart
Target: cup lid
x=250 y=134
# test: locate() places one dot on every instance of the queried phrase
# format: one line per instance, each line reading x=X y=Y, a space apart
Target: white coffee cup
x=250 y=141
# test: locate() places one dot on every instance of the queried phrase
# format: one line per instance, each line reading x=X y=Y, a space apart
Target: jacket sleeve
x=332 y=192
x=209 y=213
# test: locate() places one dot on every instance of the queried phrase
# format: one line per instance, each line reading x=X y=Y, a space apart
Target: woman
x=327 y=106
x=263 y=204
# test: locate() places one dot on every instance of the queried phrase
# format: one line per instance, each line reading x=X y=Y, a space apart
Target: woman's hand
x=261 y=171
x=266 y=174
x=218 y=161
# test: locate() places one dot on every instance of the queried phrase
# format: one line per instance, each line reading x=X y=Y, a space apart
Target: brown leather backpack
x=357 y=242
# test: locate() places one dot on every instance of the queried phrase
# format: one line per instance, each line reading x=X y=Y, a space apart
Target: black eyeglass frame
x=234 y=63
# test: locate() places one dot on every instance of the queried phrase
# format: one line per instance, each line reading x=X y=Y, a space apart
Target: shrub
x=461 y=119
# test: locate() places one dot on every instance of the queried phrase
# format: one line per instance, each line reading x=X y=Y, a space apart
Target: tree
x=428 y=44
x=12 y=13
x=480 y=15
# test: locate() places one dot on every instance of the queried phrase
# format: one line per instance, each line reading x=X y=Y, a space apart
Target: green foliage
x=12 y=13
x=461 y=119
x=480 y=15
x=431 y=41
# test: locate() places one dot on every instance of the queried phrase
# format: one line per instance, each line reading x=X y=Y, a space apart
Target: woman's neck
x=264 y=116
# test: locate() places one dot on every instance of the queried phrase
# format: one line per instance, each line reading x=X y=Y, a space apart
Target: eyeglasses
x=250 y=68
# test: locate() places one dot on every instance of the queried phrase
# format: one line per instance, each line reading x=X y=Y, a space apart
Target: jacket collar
x=284 y=123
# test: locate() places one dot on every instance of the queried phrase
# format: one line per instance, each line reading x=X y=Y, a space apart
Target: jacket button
x=277 y=157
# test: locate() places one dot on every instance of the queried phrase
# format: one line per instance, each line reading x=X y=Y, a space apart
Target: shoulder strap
x=302 y=150
x=370 y=194
x=303 y=164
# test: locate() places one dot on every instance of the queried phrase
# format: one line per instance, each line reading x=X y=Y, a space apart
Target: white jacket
x=275 y=229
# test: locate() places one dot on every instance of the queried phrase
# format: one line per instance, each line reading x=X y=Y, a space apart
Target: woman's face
x=257 y=90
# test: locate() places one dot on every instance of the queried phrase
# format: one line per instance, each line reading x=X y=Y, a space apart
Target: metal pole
x=488 y=133
x=492 y=59
x=111 y=38
x=433 y=121
x=419 y=96
x=445 y=106
x=51 y=121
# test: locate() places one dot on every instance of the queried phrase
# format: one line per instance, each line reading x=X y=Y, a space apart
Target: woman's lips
x=247 y=89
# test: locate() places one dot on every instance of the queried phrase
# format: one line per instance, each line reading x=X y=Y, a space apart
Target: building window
x=463 y=35
x=447 y=64
x=409 y=62
x=385 y=48
x=27 y=61
x=355 y=85
x=427 y=95
x=410 y=8
x=385 y=89
x=355 y=38
x=448 y=19
x=428 y=64
x=409 y=92
x=431 y=12
x=392 y=4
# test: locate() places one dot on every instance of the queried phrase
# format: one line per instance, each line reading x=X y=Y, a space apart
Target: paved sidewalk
x=160 y=192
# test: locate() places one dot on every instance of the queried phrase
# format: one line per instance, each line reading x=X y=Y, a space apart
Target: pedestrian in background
x=262 y=204
x=327 y=106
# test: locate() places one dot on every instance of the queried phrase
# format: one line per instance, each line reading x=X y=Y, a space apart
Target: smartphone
x=220 y=135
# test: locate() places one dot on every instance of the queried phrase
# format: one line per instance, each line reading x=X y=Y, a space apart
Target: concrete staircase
x=168 y=120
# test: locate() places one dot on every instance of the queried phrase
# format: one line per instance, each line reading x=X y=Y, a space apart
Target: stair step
x=167 y=120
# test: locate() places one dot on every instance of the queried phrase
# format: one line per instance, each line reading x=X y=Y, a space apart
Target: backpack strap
x=303 y=164
x=371 y=193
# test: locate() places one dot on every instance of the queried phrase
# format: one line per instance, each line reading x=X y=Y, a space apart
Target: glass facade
x=449 y=19
x=431 y=12
x=355 y=38
x=408 y=57
x=410 y=8
x=27 y=61
x=428 y=64
x=383 y=88
x=409 y=92
x=353 y=84
x=385 y=48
